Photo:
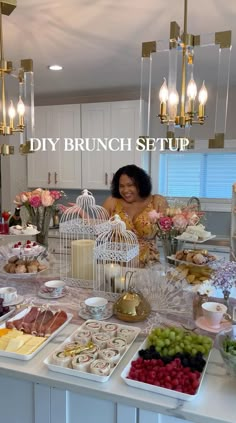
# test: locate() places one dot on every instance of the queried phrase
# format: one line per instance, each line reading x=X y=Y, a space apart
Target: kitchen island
x=31 y=393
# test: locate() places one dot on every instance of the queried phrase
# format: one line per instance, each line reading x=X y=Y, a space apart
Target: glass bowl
x=227 y=350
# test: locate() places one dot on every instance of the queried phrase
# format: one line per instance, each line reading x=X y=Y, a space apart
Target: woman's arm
x=160 y=203
x=109 y=205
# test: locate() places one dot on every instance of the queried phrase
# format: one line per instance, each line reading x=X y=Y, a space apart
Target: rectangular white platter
x=29 y=356
x=200 y=241
x=158 y=389
x=83 y=374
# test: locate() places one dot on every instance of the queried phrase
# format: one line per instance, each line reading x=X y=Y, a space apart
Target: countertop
x=214 y=404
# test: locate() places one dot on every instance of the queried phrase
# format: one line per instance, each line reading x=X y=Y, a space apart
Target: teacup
x=54 y=288
x=8 y=294
x=95 y=306
x=214 y=313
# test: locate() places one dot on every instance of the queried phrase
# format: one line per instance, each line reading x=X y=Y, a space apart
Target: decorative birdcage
x=79 y=226
x=116 y=251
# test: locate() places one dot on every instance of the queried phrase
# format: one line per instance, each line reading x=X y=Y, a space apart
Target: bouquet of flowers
x=224 y=276
x=175 y=221
x=40 y=204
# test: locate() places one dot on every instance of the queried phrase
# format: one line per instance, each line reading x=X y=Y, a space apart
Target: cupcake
x=100 y=367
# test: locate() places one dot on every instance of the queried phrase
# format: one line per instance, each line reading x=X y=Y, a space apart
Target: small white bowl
x=8 y=294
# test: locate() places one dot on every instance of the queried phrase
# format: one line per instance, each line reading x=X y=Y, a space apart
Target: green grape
x=167 y=342
x=172 y=335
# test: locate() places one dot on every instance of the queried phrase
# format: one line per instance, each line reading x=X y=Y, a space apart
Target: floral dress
x=143 y=229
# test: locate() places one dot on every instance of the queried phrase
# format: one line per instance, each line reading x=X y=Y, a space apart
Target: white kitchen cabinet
x=110 y=120
x=233 y=224
x=58 y=168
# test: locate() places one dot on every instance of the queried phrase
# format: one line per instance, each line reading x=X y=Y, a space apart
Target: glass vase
x=198 y=300
x=170 y=247
x=41 y=219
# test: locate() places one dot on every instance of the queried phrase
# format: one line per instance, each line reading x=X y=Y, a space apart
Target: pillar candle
x=112 y=276
x=82 y=259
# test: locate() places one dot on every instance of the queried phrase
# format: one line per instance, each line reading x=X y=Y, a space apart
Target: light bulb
x=202 y=96
x=173 y=98
x=192 y=89
x=11 y=111
x=163 y=93
x=20 y=107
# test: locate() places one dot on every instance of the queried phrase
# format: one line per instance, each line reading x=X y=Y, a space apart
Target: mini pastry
x=20 y=268
x=117 y=343
x=82 y=362
x=32 y=268
x=110 y=328
x=111 y=355
x=60 y=359
x=100 y=367
x=199 y=259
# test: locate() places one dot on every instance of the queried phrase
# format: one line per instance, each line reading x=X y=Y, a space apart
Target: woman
x=132 y=200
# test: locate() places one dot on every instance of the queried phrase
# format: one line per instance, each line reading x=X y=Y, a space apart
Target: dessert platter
x=22 y=249
x=171 y=362
x=93 y=351
x=23 y=336
x=23 y=267
x=24 y=230
x=196 y=234
x=106 y=314
x=193 y=257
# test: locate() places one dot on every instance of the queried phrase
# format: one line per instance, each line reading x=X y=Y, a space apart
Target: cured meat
x=43 y=319
x=28 y=318
x=53 y=324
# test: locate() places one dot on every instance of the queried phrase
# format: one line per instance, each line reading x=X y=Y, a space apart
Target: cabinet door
x=59 y=167
x=125 y=123
x=96 y=123
x=39 y=162
x=67 y=171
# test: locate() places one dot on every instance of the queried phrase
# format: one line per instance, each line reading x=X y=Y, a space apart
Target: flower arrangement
x=40 y=204
x=205 y=288
x=174 y=221
x=224 y=276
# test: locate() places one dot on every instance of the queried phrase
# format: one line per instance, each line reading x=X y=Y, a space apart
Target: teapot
x=131 y=306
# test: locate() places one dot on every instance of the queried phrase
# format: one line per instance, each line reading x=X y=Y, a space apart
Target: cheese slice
x=31 y=345
x=14 y=344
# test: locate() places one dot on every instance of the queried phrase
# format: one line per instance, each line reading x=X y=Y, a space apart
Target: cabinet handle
x=106 y=178
x=49 y=178
x=55 y=177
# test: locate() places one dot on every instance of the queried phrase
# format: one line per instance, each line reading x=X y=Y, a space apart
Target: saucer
x=19 y=299
x=47 y=296
x=106 y=314
x=202 y=324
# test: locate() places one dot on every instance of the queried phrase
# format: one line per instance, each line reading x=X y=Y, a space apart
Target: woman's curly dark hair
x=141 y=180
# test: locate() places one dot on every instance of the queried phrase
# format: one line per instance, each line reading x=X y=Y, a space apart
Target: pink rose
x=46 y=198
x=35 y=201
x=24 y=197
x=180 y=222
x=55 y=195
x=154 y=216
x=165 y=223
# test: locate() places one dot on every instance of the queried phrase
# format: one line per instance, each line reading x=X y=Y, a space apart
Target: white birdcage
x=116 y=251
x=79 y=226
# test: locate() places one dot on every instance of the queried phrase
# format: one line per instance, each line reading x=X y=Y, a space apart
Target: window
x=202 y=175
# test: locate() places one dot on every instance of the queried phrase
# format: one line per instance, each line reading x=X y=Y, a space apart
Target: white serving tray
x=29 y=356
x=200 y=241
x=158 y=389
x=78 y=373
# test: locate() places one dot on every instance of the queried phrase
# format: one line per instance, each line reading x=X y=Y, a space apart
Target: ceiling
x=98 y=42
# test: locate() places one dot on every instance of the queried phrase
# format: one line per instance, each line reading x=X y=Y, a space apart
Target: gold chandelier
x=185 y=107
x=15 y=119
x=187 y=113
